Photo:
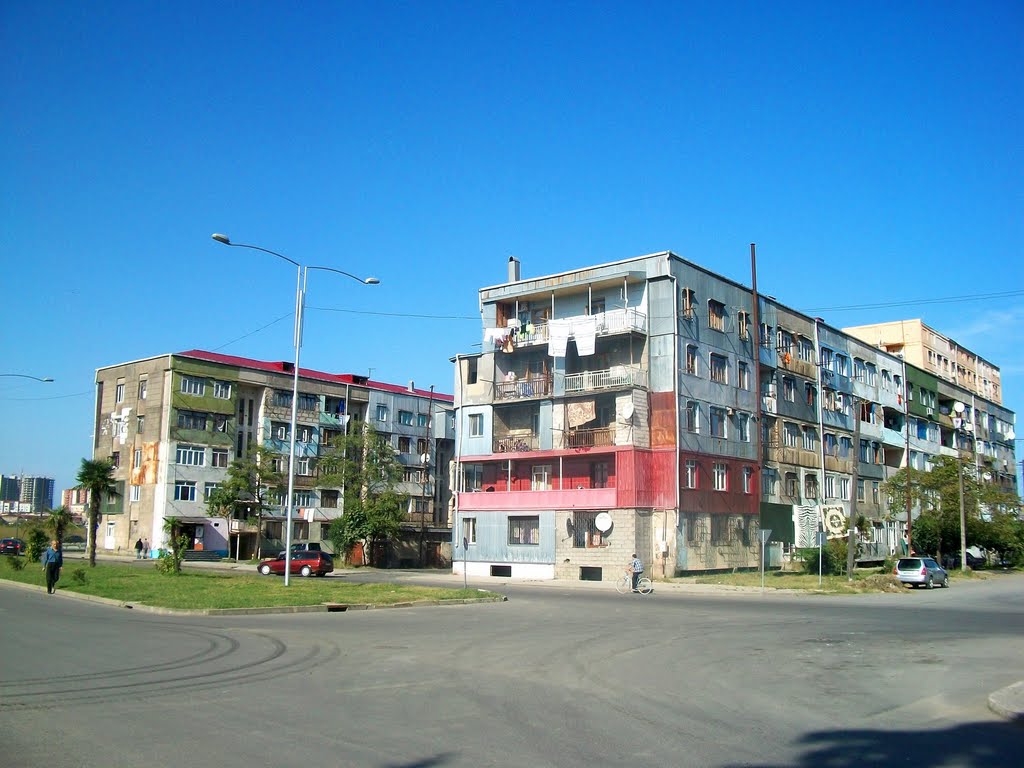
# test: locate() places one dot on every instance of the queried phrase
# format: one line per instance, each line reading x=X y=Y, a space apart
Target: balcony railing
x=515 y=443
x=598 y=437
x=625 y=320
x=520 y=389
x=617 y=377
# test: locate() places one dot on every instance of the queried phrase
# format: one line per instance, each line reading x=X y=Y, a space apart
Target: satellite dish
x=628 y=410
x=1011 y=435
x=958 y=407
x=603 y=522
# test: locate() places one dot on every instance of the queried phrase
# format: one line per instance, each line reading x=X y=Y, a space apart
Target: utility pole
x=851 y=542
x=425 y=458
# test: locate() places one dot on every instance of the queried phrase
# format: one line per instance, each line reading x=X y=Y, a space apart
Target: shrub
x=78 y=575
x=15 y=562
x=833 y=558
x=37 y=543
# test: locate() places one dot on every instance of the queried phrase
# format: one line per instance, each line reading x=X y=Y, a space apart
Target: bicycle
x=643 y=585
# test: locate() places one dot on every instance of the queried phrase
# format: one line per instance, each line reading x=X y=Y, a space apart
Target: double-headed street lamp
x=301 y=272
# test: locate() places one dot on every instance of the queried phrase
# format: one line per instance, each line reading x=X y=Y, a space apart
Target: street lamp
x=301 y=273
x=47 y=380
x=959 y=426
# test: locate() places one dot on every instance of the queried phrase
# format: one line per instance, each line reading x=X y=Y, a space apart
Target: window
x=792 y=485
x=405 y=417
x=859 y=371
x=810 y=394
x=789 y=389
x=409 y=474
x=743 y=324
x=208 y=489
x=784 y=342
x=805 y=350
x=790 y=435
x=329 y=499
x=192 y=420
x=716 y=315
x=689 y=300
x=830 y=487
x=190 y=455
x=810 y=439
x=766 y=335
x=305 y=434
x=469 y=530
x=302 y=499
x=875 y=492
x=476 y=425
x=222 y=390
x=826 y=359
x=142 y=389
x=872 y=374
x=405 y=444
x=718 y=421
x=811 y=486
x=524 y=530
x=693 y=416
x=844 y=488
x=860 y=491
x=136 y=492
x=842 y=365
x=304 y=466
x=719 y=369
x=119 y=392
x=743 y=427
x=219 y=457
x=220 y=422
x=136 y=458
x=308 y=402
x=540 y=477
x=115 y=459
x=742 y=375
x=471 y=371
x=748 y=480
x=421 y=420
x=721 y=476
x=422 y=446
x=845 y=447
x=690 y=477
x=691 y=527
x=719 y=529
x=184 y=490
x=191 y=385
x=140 y=424
x=691 y=359
x=599 y=474
x=382 y=413
x=584 y=530
x=280 y=430
x=282 y=398
x=473 y=476
x=769 y=478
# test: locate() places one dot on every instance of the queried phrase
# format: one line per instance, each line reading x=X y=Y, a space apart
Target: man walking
x=636 y=567
x=138 y=549
x=53 y=561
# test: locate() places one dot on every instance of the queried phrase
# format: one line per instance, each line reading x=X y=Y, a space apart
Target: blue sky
x=873 y=153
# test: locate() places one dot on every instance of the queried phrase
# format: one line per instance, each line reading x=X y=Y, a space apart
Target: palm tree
x=97 y=477
x=60 y=518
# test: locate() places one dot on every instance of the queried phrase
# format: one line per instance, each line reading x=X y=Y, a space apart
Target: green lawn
x=866 y=580
x=203 y=590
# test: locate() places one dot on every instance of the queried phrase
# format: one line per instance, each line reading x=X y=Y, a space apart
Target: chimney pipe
x=412 y=385
x=513 y=269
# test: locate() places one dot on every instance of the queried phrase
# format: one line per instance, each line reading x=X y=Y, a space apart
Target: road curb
x=1008 y=702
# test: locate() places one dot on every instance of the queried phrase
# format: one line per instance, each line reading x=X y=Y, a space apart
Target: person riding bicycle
x=635 y=567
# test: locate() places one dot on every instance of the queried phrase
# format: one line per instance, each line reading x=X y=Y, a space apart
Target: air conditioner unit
x=930 y=411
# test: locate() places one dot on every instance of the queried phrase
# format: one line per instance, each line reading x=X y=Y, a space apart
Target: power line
x=944 y=300
x=396 y=314
x=247 y=335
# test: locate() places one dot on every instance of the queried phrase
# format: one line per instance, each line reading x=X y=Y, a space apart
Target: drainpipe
x=755 y=345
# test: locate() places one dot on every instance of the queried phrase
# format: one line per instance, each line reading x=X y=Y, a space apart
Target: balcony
x=516 y=443
x=616 y=321
x=598 y=437
x=522 y=389
x=617 y=377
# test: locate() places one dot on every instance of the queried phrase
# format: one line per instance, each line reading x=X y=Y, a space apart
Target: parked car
x=299 y=546
x=11 y=546
x=918 y=571
x=305 y=562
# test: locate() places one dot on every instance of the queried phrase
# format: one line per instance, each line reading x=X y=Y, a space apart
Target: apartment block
x=647 y=405
x=172 y=425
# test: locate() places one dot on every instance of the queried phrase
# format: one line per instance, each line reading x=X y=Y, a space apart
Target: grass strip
x=204 y=590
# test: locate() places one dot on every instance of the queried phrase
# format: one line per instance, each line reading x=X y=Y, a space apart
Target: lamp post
x=46 y=380
x=959 y=425
x=301 y=274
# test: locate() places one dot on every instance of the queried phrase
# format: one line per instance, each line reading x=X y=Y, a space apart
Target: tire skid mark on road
x=271 y=663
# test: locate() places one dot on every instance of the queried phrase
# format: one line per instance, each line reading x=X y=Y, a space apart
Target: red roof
x=307 y=373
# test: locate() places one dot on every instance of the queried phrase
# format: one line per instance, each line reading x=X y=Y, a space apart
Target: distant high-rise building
x=37 y=492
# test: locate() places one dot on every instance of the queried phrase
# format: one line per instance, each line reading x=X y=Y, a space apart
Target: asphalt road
x=557 y=676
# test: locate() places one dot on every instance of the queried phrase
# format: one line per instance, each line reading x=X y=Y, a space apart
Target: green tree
x=58 y=522
x=97 y=477
x=170 y=558
x=245 y=493
x=366 y=468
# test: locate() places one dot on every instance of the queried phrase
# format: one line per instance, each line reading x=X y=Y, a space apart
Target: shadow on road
x=983 y=745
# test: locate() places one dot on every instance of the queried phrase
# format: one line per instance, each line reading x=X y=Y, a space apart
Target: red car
x=305 y=562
